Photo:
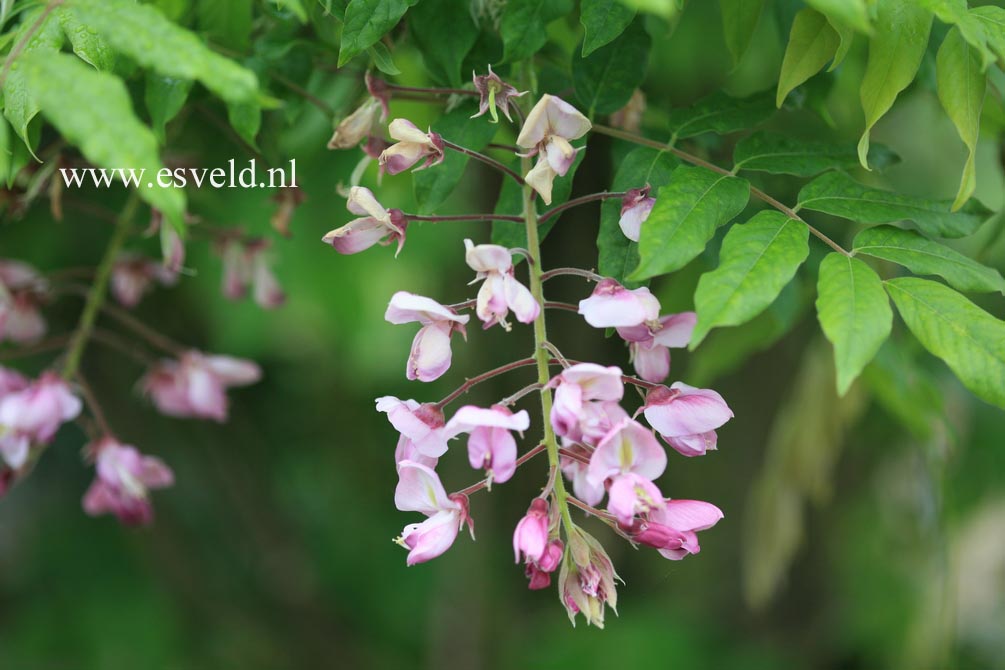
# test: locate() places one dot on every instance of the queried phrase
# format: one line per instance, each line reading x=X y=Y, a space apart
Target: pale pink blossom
x=546 y=133
x=423 y=425
x=195 y=385
x=632 y=494
x=611 y=305
x=649 y=343
x=586 y=401
x=31 y=414
x=490 y=443
x=248 y=264
x=576 y=470
x=539 y=572
x=407 y=451
x=22 y=290
x=635 y=208
x=500 y=291
x=430 y=355
x=683 y=517
x=133 y=275
x=494 y=93
x=629 y=448
x=123 y=482
x=419 y=490
x=376 y=225
x=357 y=127
x=530 y=538
x=412 y=146
x=10 y=381
x=686 y=417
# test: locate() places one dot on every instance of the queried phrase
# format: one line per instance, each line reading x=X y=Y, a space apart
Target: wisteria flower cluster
x=609 y=457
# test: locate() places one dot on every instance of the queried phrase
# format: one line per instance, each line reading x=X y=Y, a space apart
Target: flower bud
x=611 y=305
x=531 y=534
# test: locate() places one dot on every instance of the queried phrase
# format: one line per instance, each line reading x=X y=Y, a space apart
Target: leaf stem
x=694 y=160
x=484 y=159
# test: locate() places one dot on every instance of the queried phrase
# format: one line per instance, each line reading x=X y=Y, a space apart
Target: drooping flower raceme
x=419 y=490
x=686 y=417
x=491 y=444
x=31 y=414
x=195 y=385
x=376 y=225
x=649 y=343
x=124 y=478
x=430 y=355
x=549 y=127
x=611 y=305
x=500 y=292
x=412 y=146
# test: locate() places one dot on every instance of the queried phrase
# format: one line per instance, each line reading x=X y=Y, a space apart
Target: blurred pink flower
x=32 y=414
x=249 y=264
x=133 y=275
x=22 y=289
x=195 y=385
x=123 y=482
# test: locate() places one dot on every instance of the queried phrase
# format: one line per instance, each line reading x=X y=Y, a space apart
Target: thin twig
x=485 y=483
x=464 y=217
x=485 y=159
x=557 y=272
x=581 y=200
x=92 y=404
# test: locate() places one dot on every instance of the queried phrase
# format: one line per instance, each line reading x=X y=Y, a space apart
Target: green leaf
x=523 y=24
x=686 y=215
x=606 y=79
x=962 y=85
x=603 y=21
x=618 y=255
x=382 y=58
x=904 y=389
x=86 y=43
x=895 y=52
x=838 y=194
x=854 y=313
x=366 y=21
x=109 y=135
x=721 y=114
x=19 y=106
x=164 y=97
x=757 y=260
x=968 y=339
x=246 y=119
x=6 y=162
x=668 y=9
x=739 y=20
x=145 y=35
x=297 y=7
x=846 y=35
x=972 y=27
x=812 y=42
x=853 y=13
x=925 y=257
x=445 y=33
x=434 y=185
x=227 y=22
x=781 y=154
x=992 y=19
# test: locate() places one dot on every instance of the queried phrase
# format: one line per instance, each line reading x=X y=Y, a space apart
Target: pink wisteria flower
x=412 y=146
x=672 y=527
x=500 y=292
x=611 y=305
x=686 y=417
x=376 y=225
x=133 y=275
x=586 y=401
x=248 y=264
x=422 y=425
x=635 y=208
x=628 y=450
x=430 y=356
x=195 y=385
x=491 y=444
x=21 y=292
x=530 y=538
x=649 y=343
x=124 y=478
x=32 y=413
x=358 y=126
x=539 y=571
x=546 y=133
x=420 y=490
x=494 y=93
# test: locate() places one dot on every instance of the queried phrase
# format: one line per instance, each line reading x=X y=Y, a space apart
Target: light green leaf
x=148 y=37
x=721 y=114
x=618 y=255
x=86 y=43
x=366 y=21
x=19 y=106
x=434 y=185
x=686 y=215
x=838 y=194
x=246 y=119
x=962 y=85
x=853 y=13
x=5 y=151
x=854 y=313
x=109 y=135
x=972 y=28
x=739 y=20
x=164 y=97
x=812 y=42
x=606 y=79
x=757 y=260
x=382 y=58
x=968 y=339
x=523 y=24
x=781 y=154
x=445 y=33
x=895 y=53
x=846 y=35
x=925 y=257
x=603 y=21
x=227 y=22
x=295 y=6
x=668 y=9
x=993 y=21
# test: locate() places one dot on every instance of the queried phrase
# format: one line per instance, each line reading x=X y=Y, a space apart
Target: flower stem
x=433 y=91
x=465 y=217
x=484 y=159
x=99 y=289
x=478 y=486
x=558 y=272
x=581 y=200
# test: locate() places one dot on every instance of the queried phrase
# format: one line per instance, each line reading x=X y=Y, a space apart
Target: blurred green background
x=862 y=533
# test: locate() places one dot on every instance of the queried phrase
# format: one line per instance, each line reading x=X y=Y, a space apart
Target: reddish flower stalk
x=485 y=159
x=558 y=272
x=581 y=200
x=485 y=483
x=464 y=217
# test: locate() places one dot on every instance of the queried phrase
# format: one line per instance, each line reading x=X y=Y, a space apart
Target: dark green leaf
x=686 y=215
x=781 y=154
x=603 y=21
x=968 y=339
x=382 y=59
x=812 y=43
x=925 y=257
x=757 y=260
x=854 y=313
x=246 y=119
x=904 y=389
x=606 y=79
x=445 y=33
x=366 y=21
x=838 y=194
x=523 y=26
x=721 y=114
x=853 y=13
x=164 y=97
x=227 y=22
x=739 y=20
